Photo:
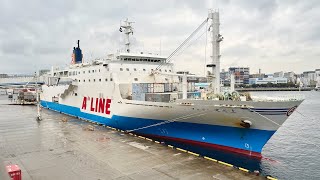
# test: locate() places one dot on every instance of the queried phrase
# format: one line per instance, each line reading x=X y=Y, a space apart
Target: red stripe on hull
x=208 y=145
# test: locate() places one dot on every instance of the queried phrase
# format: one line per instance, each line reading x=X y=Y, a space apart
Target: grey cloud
x=261 y=34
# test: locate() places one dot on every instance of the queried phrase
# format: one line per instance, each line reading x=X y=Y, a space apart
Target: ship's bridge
x=145 y=58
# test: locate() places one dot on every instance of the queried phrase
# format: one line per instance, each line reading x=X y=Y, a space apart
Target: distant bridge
x=18 y=81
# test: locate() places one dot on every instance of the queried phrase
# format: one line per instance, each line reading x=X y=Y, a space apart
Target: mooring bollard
x=14 y=172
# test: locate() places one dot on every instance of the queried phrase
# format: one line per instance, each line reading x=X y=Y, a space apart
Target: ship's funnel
x=77 y=54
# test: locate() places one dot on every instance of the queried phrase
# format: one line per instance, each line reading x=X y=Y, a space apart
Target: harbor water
x=291 y=153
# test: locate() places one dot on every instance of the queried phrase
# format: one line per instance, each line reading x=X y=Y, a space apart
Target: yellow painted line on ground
x=121 y=130
x=181 y=150
x=170 y=146
x=193 y=153
x=131 y=134
x=226 y=164
x=148 y=139
x=142 y=137
x=158 y=142
x=214 y=160
x=271 y=178
x=243 y=169
x=114 y=129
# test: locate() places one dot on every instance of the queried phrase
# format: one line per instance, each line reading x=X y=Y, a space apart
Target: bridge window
x=99 y=70
x=121 y=69
x=169 y=70
x=79 y=80
x=89 y=80
x=135 y=69
x=165 y=70
x=110 y=79
x=89 y=71
x=144 y=69
x=127 y=69
x=106 y=79
x=94 y=80
x=84 y=80
x=135 y=79
x=99 y=80
x=84 y=72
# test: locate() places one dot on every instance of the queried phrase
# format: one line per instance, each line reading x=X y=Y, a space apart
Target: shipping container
x=155 y=97
x=138 y=96
x=158 y=87
x=168 y=87
x=136 y=88
x=150 y=89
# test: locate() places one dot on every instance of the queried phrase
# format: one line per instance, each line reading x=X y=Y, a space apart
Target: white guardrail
x=279 y=98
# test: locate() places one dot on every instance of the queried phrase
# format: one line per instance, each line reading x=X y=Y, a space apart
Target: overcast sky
x=281 y=35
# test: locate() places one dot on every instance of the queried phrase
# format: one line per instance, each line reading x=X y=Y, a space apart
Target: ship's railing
x=279 y=98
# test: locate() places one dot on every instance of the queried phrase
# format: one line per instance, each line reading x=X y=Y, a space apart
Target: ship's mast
x=216 y=39
x=127 y=29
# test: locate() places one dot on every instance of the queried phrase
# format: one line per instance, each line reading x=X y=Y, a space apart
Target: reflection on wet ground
x=62 y=147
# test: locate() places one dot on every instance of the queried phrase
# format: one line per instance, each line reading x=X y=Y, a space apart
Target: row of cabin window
x=121 y=69
x=78 y=72
x=135 y=69
x=146 y=60
x=94 y=80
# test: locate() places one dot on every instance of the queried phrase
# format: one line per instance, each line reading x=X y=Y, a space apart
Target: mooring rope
x=172 y=120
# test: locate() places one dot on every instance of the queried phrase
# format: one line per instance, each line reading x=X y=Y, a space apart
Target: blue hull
x=241 y=140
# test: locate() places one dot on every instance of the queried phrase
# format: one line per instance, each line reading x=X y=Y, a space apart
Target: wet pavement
x=63 y=147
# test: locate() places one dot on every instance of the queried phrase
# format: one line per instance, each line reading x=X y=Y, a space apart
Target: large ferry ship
x=143 y=94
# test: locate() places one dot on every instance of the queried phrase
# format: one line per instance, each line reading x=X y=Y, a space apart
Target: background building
x=225 y=77
x=318 y=77
x=270 y=79
x=43 y=71
x=309 y=79
x=278 y=74
x=3 y=75
x=291 y=76
x=241 y=74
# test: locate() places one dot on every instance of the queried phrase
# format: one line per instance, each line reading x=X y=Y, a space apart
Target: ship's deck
x=53 y=149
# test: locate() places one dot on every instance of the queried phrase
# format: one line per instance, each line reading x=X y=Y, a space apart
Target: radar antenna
x=127 y=29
